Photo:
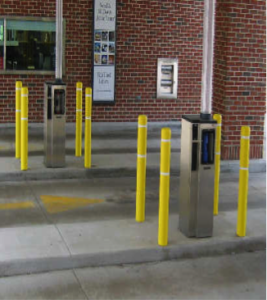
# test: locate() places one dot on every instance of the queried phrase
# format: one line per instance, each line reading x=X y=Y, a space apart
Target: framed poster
x=104 y=51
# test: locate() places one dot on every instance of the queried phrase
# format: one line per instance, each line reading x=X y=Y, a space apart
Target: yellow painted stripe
x=56 y=204
x=17 y=205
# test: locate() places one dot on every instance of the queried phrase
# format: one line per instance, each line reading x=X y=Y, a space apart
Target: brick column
x=240 y=73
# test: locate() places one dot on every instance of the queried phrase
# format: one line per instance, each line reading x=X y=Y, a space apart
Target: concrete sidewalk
x=114 y=148
x=44 y=248
x=37 y=239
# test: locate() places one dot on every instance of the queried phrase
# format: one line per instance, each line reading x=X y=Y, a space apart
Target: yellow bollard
x=218 y=118
x=18 y=116
x=88 y=128
x=79 y=112
x=164 y=189
x=243 y=182
x=141 y=169
x=24 y=129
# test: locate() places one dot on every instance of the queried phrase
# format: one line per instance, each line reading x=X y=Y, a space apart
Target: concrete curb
x=210 y=248
x=103 y=126
x=256 y=166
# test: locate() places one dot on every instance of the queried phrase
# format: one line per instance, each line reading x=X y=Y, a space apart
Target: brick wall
x=147 y=30
x=144 y=33
x=240 y=73
x=78 y=16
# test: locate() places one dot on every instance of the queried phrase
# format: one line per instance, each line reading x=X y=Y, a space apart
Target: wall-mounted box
x=167 y=78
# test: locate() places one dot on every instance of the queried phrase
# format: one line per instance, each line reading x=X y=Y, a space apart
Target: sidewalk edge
x=134 y=256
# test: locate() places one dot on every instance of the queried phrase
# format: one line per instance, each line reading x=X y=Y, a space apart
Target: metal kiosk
x=198 y=148
x=54 y=124
x=197 y=176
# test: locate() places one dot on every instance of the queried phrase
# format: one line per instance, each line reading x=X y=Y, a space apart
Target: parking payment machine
x=54 y=124
x=55 y=104
x=197 y=176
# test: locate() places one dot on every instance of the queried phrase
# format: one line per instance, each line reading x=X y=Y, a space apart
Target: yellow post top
x=24 y=91
x=142 y=120
x=88 y=91
x=166 y=133
x=79 y=85
x=88 y=102
x=18 y=84
x=218 y=118
x=245 y=131
x=24 y=102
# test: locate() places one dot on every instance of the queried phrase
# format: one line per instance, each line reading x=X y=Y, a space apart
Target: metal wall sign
x=104 y=45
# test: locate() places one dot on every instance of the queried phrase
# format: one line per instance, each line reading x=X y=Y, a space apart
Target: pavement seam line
x=47 y=217
x=28 y=182
x=18 y=267
x=81 y=286
x=65 y=243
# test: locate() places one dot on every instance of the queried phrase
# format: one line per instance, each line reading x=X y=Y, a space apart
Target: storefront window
x=30 y=45
x=27 y=45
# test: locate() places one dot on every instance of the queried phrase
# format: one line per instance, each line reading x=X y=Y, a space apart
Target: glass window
x=1 y=44
x=30 y=45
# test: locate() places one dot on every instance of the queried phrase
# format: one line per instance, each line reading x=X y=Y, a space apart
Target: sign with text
x=104 y=44
x=103 y=83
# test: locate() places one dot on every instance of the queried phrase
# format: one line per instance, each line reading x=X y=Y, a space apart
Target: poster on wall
x=104 y=48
